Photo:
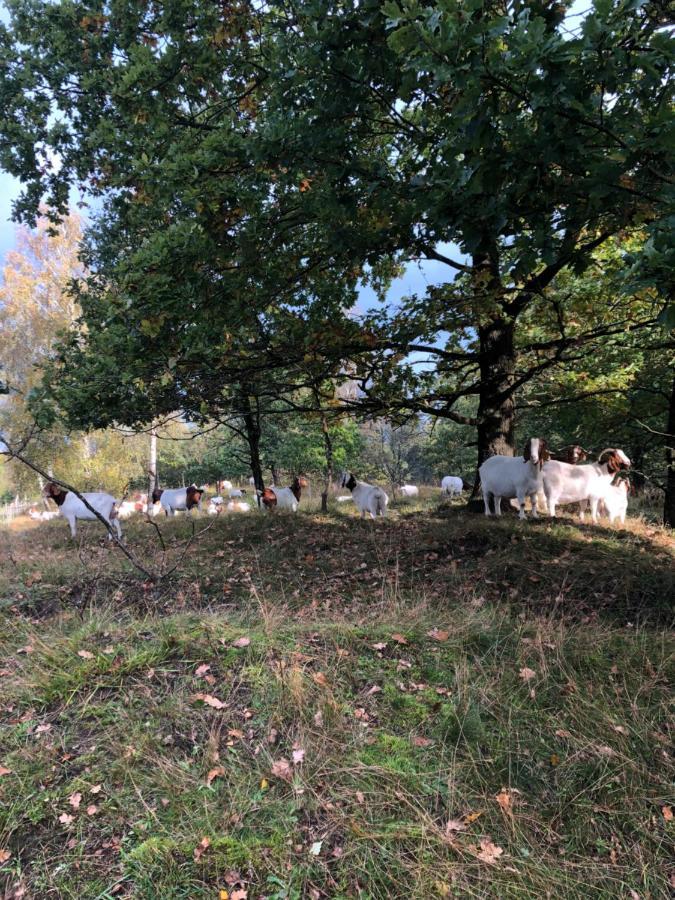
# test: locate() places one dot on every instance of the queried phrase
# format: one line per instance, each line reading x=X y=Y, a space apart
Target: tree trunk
x=669 y=504
x=496 y=403
x=328 y=451
x=252 y=426
x=153 y=481
x=276 y=478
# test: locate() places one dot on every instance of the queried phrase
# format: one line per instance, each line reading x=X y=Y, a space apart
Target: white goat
x=238 y=506
x=126 y=508
x=514 y=476
x=565 y=483
x=284 y=498
x=72 y=508
x=452 y=485
x=223 y=485
x=178 y=498
x=368 y=497
x=615 y=501
x=236 y=492
x=409 y=490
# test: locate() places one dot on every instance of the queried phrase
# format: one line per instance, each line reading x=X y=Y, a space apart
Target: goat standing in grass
x=514 y=476
x=284 y=498
x=368 y=497
x=565 y=483
x=176 y=499
x=452 y=485
x=72 y=508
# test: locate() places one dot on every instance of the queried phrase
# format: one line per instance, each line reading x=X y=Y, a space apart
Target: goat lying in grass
x=409 y=490
x=514 y=476
x=72 y=508
x=368 y=497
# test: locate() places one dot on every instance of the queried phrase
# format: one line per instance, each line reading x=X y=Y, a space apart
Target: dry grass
x=392 y=659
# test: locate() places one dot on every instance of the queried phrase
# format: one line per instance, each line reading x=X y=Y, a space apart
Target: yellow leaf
x=471 y=817
x=223 y=895
x=264 y=784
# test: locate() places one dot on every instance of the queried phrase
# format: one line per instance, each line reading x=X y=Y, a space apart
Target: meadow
x=310 y=706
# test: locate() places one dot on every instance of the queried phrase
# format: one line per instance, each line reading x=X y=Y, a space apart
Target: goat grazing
x=368 y=497
x=409 y=490
x=72 y=508
x=238 y=506
x=178 y=498
x=452 y=485
x=514 y=476
x=566 y=483
x=284 y=498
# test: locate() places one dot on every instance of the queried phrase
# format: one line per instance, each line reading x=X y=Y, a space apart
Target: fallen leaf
x=199 y=850
x=563 y=733
x=527 y=674
x=399 y=638
x=4 y=856
x=92 y=810
x=554 y=759
x=75 y=800
x=241 y=642
x=505 y=799
x=109 y=650
x=667 y=813
x=437 y=635
x=239 y=894
x=375 y=689
x=471 y=817
x=315 y=849
x=165 y=802
x=620 y=729
x=66 y=818
x=264 y=784
x=202 y=670
x=27 y=649
x=281 y=768
x=41 y=729
x=421 y=742
x=96 y=789
x=359 y=797
x=85 y=654
x=223 y=895
x=4 y=771
x=454 y=825
x=210 y=701
x=298 y=756
x=320 y=678
x=379 y=646
x=214 y=773
x=489 y=852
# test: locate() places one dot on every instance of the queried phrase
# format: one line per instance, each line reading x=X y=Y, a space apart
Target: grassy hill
x=431 y=706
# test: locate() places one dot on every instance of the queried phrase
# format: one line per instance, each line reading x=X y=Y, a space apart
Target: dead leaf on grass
x=92 y=810
x=505 y=799
x=454 y=825
x=66 y=818
x=298 y=756
x=436 y=634
x=96 y=789
x=202 y=670
x=527 y=674
x=75 y=800
x=241 y=642
x=41 y=729
x=667 y=813
x=201 y=848
x=85 y=654
x=281 y=768
x=4 y=856
x=239 y=894
x=4 y=771
x=399 y=638
x=489 y=852
x=469 y=818
x=210 y=700
x=421 y=741
x=320 y=678
x=380 y=645
x=214 y=773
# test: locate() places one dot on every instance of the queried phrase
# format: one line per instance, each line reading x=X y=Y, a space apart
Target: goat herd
x=561 y=481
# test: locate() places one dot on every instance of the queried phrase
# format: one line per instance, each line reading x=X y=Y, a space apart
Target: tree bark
x=153 y=481
x=328 y=452
x=669 y=504
x=275 y=474
x=251 y=419
x=496 y=400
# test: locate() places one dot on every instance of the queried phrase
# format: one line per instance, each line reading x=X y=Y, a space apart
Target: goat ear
x=543 y=451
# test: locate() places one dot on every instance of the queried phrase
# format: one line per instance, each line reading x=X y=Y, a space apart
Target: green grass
x=390 y=657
